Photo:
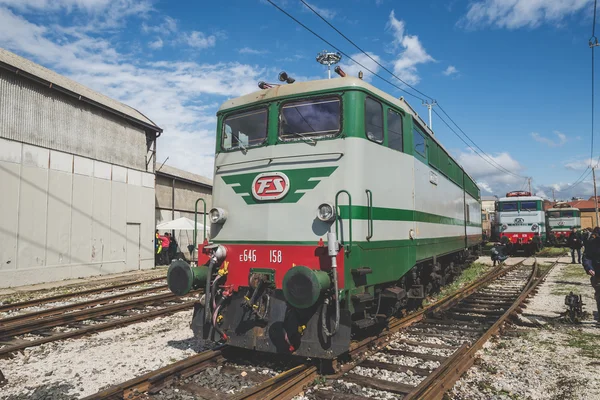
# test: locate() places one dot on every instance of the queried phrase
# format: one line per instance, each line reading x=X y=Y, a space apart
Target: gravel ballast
x=545 y=357
x=92 y=363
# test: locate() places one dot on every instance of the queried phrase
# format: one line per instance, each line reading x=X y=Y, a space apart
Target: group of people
x=589 y=240
x=165 y=248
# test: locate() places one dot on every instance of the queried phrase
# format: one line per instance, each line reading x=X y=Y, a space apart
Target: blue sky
x=515 y=75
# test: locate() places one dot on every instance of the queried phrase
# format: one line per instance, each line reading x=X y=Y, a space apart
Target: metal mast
x=429 y=106
x=326 y=58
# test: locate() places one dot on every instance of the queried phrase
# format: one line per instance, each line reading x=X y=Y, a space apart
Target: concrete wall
x=34 y=114
x=66 y=216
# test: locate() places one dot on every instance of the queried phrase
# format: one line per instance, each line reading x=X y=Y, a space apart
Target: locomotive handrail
x=369 y=214
x=270 y=159
x=196 y=223
x=348 y=248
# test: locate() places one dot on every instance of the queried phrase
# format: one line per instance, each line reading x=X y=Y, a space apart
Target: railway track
x=88 y=316
x=429 y=349
x=66 y=296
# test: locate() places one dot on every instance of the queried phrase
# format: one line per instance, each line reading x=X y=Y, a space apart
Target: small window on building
x=509 y=206
x=419 y=143
x=245 y=129
x=394 y=126
x=374 y=120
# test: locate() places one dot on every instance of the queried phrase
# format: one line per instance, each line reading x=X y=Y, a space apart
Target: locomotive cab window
x=419 y=143
x=373 y=120
x=568 y=214
x=244 y=129
x=554 y=214
x=529 y=206
x=310 y=119
x=394 y=128
x=509 y=206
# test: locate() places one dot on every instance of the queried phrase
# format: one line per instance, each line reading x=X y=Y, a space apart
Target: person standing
x=575 y=244
x=165 y=245
x=591 y=264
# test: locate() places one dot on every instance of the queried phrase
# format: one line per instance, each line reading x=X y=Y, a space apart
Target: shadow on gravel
x=186 y=344
x=55 y=391
x=572 y=283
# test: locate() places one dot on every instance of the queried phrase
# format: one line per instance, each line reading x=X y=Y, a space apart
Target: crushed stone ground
x=79 y=367
x=546 y=359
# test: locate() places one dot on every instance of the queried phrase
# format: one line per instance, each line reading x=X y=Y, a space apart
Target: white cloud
x=566 y=190
x=451 y=70
x=412 y=53
x=249 y=50
x=352 y=69
x=199 y=40
x=514 y=14
x=98 y=14
x=324 y=12
x=169 y=25
x=561 y=139
x=181 y=97
x=488 y=177
x=579 y=165
x=157 y=44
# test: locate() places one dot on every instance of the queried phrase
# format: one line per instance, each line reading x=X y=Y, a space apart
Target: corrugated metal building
x=77 y=179
x=176 y=195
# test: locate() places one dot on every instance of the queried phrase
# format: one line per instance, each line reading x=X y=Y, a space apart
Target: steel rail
x=143 y=383
x=77 y=306
x=96 y=328
x=60 y=297
x=78 y=316
x=444 y=377
x=291 y=382
x=366 y=345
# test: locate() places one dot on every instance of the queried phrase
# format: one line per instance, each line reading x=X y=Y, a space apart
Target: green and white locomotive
x=560 y=219
x=334 y=207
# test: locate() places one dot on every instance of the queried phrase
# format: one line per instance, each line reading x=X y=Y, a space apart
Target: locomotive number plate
x=252 y=255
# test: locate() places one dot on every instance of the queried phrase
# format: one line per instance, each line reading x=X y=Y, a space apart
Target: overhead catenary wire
x=362 y=51
x=469 y=146
x=342 y=52
x=491 y=160
x=593 y=42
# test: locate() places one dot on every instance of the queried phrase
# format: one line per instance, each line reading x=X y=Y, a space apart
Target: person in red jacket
x=165 y=241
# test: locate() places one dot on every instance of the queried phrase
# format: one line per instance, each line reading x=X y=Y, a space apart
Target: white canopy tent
x=180 y=224
x=185 y=234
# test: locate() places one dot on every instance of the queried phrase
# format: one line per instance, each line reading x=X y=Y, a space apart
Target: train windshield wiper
x=240 y=145
x=305 y=138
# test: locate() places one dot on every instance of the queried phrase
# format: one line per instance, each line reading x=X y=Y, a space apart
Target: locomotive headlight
x=534 y=227
x=217 y=215
x=325 y=212
x=504 y=227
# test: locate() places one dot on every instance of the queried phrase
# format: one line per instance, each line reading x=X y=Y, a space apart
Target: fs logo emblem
x=270 y=186
x=519 y=221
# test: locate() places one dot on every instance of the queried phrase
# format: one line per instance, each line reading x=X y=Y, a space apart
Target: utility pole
x=595 y=196
x=553 y=196
x=529 y=181
x=429 y=106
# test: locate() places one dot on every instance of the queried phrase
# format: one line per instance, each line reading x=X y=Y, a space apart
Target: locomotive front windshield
x=529 y=206
x=245 y=129
x=554 y=214
x=313 y=119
